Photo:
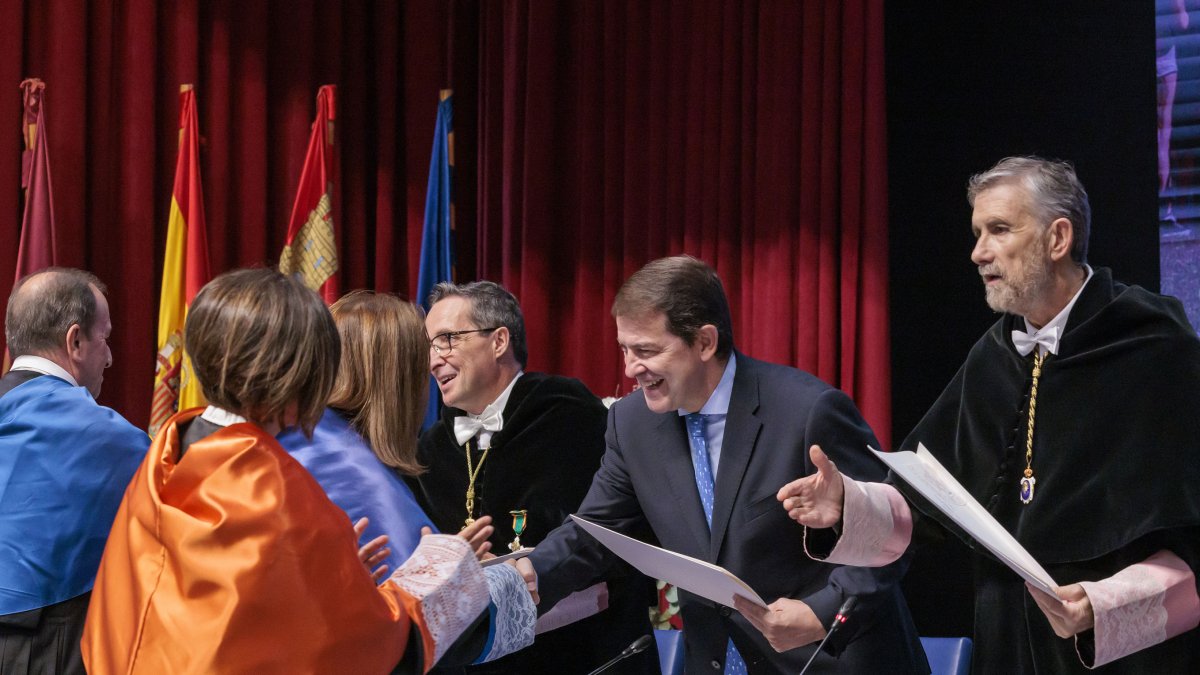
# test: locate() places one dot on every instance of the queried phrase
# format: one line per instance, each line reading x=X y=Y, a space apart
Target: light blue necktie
x=696 y=424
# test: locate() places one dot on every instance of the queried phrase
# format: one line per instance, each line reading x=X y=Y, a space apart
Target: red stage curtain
x=600 y=135
x=750 y=134
x=113 y=70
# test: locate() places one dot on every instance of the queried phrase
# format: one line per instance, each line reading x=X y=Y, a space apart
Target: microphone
x=839 y=619
x=638 y=646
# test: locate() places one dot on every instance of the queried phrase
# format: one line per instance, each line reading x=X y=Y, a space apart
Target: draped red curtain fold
x=749 y=134
x=113 y=70
x=591 y=137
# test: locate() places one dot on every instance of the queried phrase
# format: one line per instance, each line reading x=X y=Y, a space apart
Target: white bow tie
x=1024 y=342
x=467 y=426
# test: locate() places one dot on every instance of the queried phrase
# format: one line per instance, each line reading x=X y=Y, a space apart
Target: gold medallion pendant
x=1027 y=484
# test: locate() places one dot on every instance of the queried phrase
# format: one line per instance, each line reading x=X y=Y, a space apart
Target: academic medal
x=518 y=528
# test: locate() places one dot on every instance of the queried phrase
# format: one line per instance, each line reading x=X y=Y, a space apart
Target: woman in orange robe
x=226 y=556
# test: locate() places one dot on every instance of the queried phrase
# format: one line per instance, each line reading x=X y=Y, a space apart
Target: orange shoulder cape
x=234 y=560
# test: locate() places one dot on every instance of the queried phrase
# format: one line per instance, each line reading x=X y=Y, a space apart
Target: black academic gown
x=1116 y=455
x=542 y=461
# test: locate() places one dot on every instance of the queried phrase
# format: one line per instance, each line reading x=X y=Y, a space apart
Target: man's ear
x=706 y=340
x=500 y=340
x=73 y=342
x=1062 y=237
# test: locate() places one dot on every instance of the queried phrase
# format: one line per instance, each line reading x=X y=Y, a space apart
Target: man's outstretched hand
x=815 y=500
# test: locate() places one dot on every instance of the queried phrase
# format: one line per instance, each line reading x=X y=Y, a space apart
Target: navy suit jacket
x=646 y=488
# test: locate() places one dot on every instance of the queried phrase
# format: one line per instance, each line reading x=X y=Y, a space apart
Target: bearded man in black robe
x=1075 y=421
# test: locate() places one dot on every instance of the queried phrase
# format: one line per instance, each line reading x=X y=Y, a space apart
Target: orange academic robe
x=233 y=560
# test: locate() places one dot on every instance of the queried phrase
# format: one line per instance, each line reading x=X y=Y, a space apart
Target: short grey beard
x=1018 y=299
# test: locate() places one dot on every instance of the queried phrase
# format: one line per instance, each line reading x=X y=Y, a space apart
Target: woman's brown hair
x=383 y=379
x=263 y=346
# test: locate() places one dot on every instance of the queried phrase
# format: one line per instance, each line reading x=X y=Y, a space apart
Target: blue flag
x=437 y=244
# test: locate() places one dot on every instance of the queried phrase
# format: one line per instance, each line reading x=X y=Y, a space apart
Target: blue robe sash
x=64 y=464
x=361 y=485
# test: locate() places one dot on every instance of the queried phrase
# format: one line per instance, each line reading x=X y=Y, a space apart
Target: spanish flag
x=311 y=249
x=185 y=271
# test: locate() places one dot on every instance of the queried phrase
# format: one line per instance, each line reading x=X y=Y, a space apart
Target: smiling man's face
x=470 y=376
x=669 y=371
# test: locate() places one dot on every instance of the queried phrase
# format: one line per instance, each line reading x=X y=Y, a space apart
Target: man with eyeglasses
x=522 y=448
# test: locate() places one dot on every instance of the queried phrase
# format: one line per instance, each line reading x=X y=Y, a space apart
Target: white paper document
x=519 y=553
x=692 y=575
x=926 y=475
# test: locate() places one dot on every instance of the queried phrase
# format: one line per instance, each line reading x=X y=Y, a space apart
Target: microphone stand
x=837 y=622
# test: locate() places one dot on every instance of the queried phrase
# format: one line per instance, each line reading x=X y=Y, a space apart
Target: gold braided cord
x=1037 y=373
x=472 y=474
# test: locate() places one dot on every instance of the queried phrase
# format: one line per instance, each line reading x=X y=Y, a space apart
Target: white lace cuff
x=876 y=525
x=1142 y=605
x=444 y=576
x=515 y=614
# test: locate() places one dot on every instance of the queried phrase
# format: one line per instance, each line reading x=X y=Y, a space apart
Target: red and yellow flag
x=311 y=249
x=185 y=271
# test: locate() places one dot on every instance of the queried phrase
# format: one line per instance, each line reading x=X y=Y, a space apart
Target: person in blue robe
x=65 y=462
x=359 y=483
x=367 y=437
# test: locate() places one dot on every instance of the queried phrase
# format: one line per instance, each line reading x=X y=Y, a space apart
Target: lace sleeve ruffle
x=513 y=612
x=443 y=575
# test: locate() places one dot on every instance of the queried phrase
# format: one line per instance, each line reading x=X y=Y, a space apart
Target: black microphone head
x=639 y=645
x=847 y=606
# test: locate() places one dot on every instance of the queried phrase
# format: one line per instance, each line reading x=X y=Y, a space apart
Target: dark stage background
x=969 y=83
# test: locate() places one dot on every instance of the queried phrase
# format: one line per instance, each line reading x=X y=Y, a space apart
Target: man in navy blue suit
x=693 y=462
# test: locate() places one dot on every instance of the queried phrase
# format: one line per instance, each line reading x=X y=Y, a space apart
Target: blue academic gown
x=354 y=479
x=64 y=464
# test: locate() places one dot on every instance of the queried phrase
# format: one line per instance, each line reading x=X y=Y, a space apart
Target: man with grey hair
x=1074 y=422
x=522 y=448
x=64 y=464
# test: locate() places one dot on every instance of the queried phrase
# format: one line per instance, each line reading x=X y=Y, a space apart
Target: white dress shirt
x=1046 y=338
x=488 y=422
x=715 y=410
x=44 y=366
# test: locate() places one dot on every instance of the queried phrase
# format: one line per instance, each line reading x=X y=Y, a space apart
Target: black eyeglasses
x=443 y=344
